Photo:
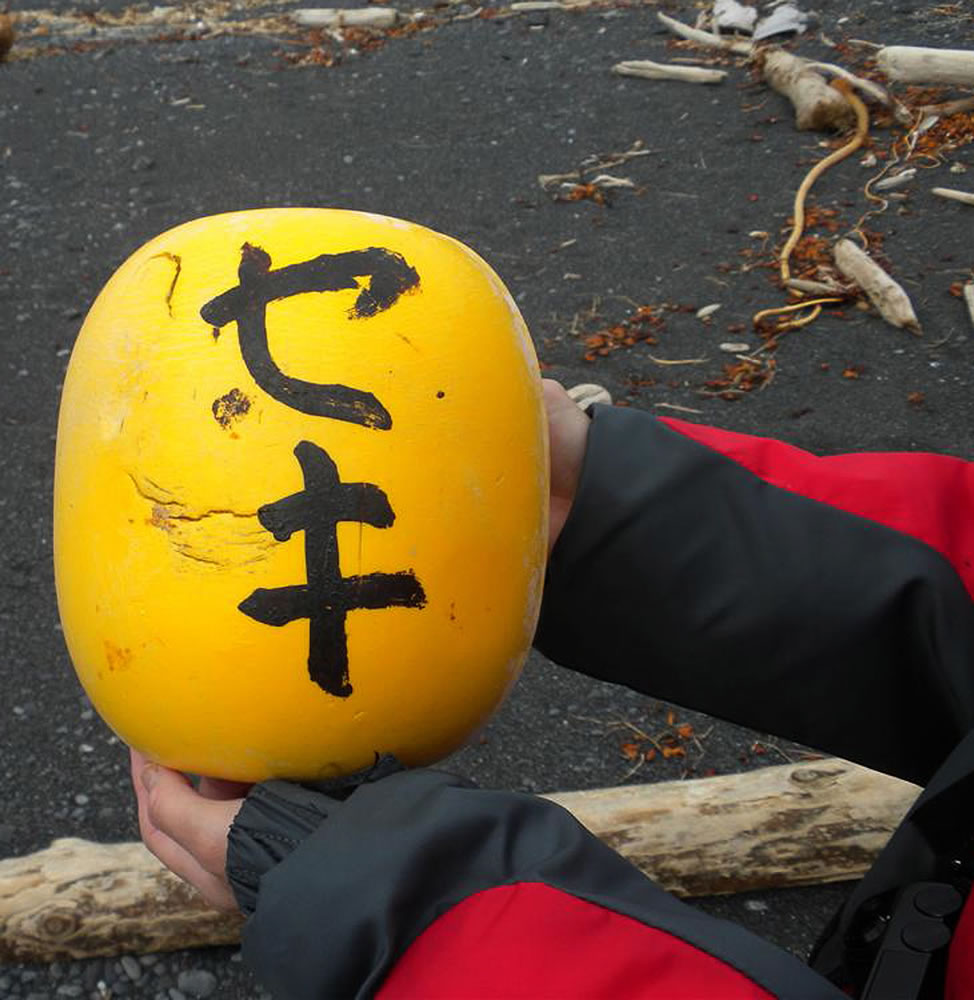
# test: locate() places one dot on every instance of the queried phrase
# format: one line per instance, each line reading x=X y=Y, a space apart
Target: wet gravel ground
x=107 y=143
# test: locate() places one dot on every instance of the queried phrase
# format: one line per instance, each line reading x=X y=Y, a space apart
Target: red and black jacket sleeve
x=826 y=600
x=716 y=571
x=419 y=885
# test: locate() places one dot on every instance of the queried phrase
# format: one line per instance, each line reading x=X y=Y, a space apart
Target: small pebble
x=92 y=974
x=132 y=968
x=197 y=983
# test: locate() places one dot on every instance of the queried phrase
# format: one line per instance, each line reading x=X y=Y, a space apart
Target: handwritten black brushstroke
x=327 y=597
x=246 y=304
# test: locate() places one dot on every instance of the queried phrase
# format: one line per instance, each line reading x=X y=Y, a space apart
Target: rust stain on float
x=232 y=406
x=118 y=657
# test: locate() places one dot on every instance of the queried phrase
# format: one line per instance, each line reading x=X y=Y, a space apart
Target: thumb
x=197 y=824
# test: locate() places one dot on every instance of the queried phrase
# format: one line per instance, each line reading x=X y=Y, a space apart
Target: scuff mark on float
x=178 y=261
x=213 y=537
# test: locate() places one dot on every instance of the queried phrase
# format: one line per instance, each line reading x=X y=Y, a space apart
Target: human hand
x=567 y=435
x=187 y=828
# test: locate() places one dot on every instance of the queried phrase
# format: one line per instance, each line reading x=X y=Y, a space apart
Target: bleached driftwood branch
x=649 y=70
x=705 y=37
x=917 y=64
x=796 y=824
x=888 y=297
x=334 y=17
x=951 y=194
x=818 y=106
x=871 y=90
x=811 y=287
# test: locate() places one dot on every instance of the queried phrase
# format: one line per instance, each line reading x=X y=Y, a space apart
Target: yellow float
x=300 y=495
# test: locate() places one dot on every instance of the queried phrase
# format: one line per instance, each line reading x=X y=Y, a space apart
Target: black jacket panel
x=685 y=576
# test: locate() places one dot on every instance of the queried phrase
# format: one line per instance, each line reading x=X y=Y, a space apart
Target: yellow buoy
x=300 y=495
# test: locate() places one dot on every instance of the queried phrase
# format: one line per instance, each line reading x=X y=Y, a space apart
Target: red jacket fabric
x=488 y=945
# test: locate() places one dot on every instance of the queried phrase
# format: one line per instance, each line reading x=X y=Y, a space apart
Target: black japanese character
x=327 y=597
x=247 y=303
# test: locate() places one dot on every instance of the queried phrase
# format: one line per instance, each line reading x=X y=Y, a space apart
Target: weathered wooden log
x=822 y=821
x=76 y=899
x=817 y=105
x=794 y=824
x=887 y=295
x=917 y=64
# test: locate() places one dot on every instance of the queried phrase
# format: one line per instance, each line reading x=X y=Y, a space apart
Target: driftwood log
x=818 y=106
x=77 y=899
x=822 y=821
x=916 y=64
x=887 y=296
x=789 y=825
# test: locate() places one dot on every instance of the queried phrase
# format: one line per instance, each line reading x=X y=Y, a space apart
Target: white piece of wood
x=864 y=86
x=888 y=297
x=899 y=180
x=529 y=6
x=817 y=105
x=952 y=194
x=969 y=299
x=704 y=37
x=918 y=64
x=794 y=824
x=812 y=287
x=649 y=70
x=336 y=17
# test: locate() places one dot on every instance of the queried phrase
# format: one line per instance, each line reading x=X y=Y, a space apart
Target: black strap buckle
x=912 y=958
